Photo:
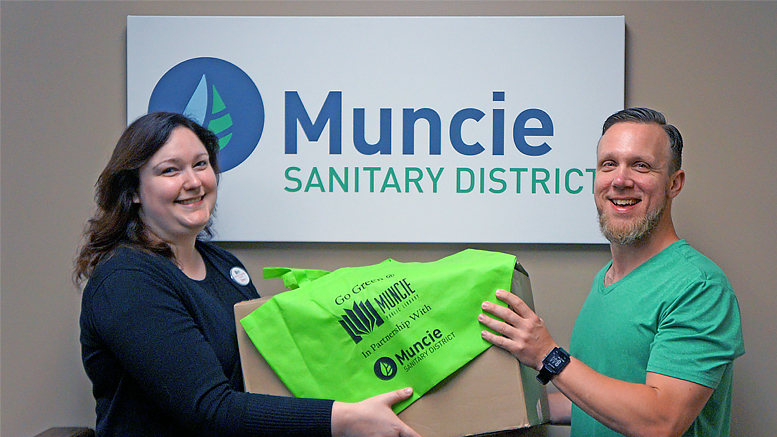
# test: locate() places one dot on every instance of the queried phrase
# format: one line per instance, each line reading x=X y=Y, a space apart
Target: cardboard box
x=494 y=394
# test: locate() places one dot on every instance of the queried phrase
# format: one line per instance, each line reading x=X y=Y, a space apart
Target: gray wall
x=710 y=66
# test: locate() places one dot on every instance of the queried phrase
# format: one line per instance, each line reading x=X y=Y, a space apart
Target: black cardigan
x=161 y=351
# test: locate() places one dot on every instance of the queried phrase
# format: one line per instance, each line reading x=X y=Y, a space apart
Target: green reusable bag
x=362 y=331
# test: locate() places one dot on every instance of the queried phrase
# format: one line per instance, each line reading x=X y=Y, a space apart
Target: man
x=653 y=347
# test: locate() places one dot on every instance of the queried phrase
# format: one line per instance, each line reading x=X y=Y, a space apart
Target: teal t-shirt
x=675 y=315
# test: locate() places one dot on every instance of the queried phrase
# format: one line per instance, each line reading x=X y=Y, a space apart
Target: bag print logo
x=361 y=320
x=385 y=368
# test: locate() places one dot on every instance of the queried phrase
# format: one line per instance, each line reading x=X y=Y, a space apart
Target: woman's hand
x=371 y=417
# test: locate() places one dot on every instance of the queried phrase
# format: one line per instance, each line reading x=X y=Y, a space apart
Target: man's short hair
x=646 y=116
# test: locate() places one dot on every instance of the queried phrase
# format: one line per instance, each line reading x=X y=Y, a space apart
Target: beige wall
x=710 y=66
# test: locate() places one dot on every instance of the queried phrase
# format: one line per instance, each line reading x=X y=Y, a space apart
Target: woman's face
x=177 y=191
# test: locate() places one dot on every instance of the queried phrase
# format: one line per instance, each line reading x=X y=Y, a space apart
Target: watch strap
x=550 y=366
x=544 y=376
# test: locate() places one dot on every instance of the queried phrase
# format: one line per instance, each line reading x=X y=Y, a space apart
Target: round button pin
x=239 y=275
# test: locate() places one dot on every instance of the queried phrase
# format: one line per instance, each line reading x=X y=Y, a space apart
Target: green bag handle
x=293 y=278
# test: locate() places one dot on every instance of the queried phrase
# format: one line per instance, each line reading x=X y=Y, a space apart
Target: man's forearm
x=663 y=406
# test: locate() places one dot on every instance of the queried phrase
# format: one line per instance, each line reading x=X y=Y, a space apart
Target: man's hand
x=523 y=333
x=371 y=417
x=662 y=406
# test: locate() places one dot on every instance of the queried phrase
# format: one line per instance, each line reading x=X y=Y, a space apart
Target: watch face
x=556 y=360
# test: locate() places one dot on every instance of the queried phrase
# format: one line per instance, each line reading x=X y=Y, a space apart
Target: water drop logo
x=221 y=97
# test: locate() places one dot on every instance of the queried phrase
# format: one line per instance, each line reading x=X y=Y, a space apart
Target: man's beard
x=634 y=233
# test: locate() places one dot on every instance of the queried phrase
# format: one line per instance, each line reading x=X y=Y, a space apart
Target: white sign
x=391 y=129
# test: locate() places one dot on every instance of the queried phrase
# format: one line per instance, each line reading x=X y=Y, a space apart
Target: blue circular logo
x=221 y=97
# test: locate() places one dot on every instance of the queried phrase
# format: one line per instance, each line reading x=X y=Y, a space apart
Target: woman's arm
x=153 y=335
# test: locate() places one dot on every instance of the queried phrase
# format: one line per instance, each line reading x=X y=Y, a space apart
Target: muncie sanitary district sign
x=391 y=129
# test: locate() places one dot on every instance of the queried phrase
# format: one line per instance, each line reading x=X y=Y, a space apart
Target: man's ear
x=676 y=182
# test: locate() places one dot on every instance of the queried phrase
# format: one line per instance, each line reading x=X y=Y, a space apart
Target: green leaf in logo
x=386 y=369
x=223 y=122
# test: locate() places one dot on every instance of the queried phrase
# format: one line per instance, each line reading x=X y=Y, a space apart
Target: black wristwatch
x=553 y=364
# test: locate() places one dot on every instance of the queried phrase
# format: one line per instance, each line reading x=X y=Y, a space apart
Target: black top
x=161 y=351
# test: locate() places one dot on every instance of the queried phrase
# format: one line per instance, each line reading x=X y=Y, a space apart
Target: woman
x=157 y=322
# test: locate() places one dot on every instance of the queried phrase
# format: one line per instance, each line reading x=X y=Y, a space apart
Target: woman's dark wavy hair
x=646 y=116
x=116 y=221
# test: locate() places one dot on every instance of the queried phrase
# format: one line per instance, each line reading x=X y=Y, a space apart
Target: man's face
x=632 y=188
